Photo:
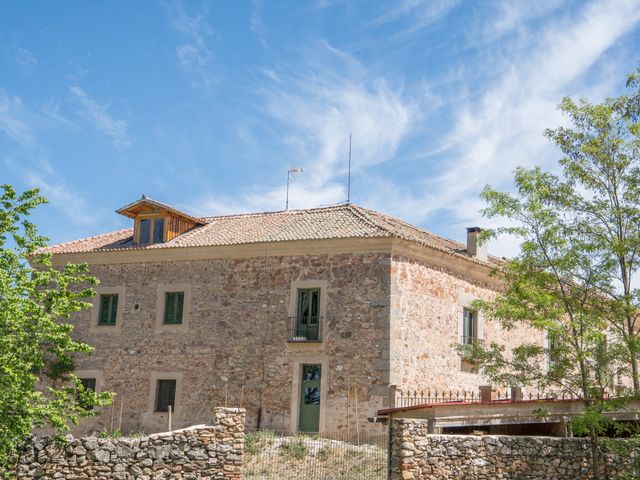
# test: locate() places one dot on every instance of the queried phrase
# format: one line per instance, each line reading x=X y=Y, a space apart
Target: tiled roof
x=342 y=221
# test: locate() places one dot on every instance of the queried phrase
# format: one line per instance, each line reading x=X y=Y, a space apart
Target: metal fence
x=273 y=455
x=408 y=398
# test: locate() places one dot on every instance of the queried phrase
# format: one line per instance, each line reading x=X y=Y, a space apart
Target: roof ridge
x=363 y=213
x=387 y=217
x=276 y=212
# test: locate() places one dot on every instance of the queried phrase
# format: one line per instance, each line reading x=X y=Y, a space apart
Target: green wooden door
x=310 y=398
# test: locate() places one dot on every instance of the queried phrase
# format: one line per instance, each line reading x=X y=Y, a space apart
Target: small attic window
x=156 y=222
x=150 y=229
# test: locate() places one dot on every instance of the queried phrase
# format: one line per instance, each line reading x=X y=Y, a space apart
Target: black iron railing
x=411 y=397
x=304 y=329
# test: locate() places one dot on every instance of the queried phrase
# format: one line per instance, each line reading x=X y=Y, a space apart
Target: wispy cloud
x=316 y=111
x=13 y=120
x=102 y=120
x=194 y=55
x=255 y=22
x=61 y=195
x=483 y=130
x=24 y=57
x=417 y=14
x=21 y=125
x=502 y=128
x=509 y=15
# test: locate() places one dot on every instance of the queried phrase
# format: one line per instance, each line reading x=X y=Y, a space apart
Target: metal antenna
x=349 y=177
x=292 y=172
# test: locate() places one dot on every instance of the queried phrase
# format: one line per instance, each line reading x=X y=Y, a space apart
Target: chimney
x=473 y=247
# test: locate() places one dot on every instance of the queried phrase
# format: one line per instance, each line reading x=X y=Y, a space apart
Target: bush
x=296 y=449
x=255 y=442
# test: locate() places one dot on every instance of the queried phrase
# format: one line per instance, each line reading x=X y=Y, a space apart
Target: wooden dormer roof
x=148 y=205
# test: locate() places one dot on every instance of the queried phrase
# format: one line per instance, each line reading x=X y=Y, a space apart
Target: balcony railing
x=304 y=329
x=470 y=346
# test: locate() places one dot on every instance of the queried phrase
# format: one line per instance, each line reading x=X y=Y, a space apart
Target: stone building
x=310 y=319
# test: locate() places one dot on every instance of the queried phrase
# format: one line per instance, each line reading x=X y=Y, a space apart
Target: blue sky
x=206 y=105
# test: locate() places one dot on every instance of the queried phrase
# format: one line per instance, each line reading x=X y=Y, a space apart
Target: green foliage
x=37 y=386
x=573 y=280
x=294 y=449
x=255 y=442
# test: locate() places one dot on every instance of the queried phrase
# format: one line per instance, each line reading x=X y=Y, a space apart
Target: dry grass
x=272 y=457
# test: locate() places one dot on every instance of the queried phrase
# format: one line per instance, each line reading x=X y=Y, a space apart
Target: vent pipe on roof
x=474 y=248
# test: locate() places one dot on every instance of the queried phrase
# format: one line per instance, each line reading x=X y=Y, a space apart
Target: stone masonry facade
x=427 y=299
x=204 y=452
x=389 y=322
x=391 y=306
x=234 y=349
x=418 y=455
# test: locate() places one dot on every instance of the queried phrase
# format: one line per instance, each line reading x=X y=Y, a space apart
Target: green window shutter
x=173 y=305
x=114 y=309
x=108 y=309
x=179 y=305
x=168 y=308
x=104 y=310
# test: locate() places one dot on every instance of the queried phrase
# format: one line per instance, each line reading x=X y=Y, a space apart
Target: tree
x=37 y=386
x=602 y=164
x=573 y=280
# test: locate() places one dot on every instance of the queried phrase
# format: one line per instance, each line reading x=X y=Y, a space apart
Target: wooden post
x=113 y=408
x=169 y=410
x=348 y=411
x=226 y=392
x=242 y=395
x=121 y=407
x=357 y=423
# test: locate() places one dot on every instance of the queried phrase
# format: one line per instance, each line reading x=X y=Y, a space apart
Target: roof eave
x=126 y=210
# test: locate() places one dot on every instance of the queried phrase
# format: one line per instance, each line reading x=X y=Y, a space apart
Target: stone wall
x=417 y=455
x=427 y=301
x=209 y=452
x=233 y=349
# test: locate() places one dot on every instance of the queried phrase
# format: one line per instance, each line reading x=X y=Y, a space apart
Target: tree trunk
x=634 y=375
x=595 y=456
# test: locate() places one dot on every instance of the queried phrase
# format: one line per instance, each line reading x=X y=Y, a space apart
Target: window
x=553 y=349
x=151 y=230
x=173 y=304
x=165 y=395
x=88 y=384
x=145 y=231
x=108 y=309
x=469 y=326
x=308 y=319
x=158 y=230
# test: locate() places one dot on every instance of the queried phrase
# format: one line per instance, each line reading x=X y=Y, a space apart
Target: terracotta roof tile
x=342 y=221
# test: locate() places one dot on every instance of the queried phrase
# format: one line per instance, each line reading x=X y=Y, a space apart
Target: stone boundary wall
x=417 y=455
x=205 y=451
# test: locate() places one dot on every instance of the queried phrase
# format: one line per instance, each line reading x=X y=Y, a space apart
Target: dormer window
x=150 y=229
x=156 y=222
